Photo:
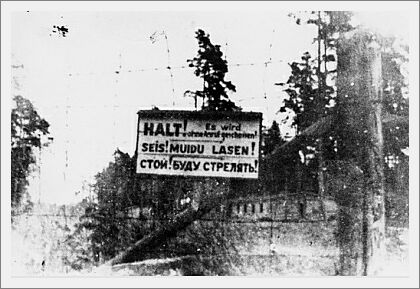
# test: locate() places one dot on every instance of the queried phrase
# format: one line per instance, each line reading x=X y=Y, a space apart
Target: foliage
x=271 y=139
x=26 y=130
x=210 y=66
x=312 y=93
x=107 y=218
x=310 y=87
x=306 y=99
x=78 y=242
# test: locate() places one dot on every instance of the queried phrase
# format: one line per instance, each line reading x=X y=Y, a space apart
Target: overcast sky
x=92 y=110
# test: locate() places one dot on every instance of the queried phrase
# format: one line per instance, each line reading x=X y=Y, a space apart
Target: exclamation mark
x=253 y=147
x=256 y=166
x=185 y=128
x=167 y=143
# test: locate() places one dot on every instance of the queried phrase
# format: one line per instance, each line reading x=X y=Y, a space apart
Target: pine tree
x=26 y=130
x=310 y=87
x=271 y=139
x=212 y=68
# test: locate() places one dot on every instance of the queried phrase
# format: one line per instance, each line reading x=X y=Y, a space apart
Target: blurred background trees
x=312 y=94
x=27 y=128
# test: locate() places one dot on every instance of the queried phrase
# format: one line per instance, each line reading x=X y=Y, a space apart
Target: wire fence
x=160 y=68
x=211 y=243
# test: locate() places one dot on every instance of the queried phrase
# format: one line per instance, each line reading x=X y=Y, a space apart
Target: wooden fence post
x=359 y=86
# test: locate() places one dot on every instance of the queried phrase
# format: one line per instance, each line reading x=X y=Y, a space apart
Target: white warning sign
x=211 y=144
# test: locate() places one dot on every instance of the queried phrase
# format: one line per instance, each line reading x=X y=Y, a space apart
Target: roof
x=319 y=128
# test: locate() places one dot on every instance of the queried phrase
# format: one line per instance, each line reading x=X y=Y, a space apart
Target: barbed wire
x=68 y=106
x=162 y=68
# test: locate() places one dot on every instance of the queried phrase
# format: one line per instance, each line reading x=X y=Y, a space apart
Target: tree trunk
x=359 y=91
x=321 y=179
x=374 y=243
